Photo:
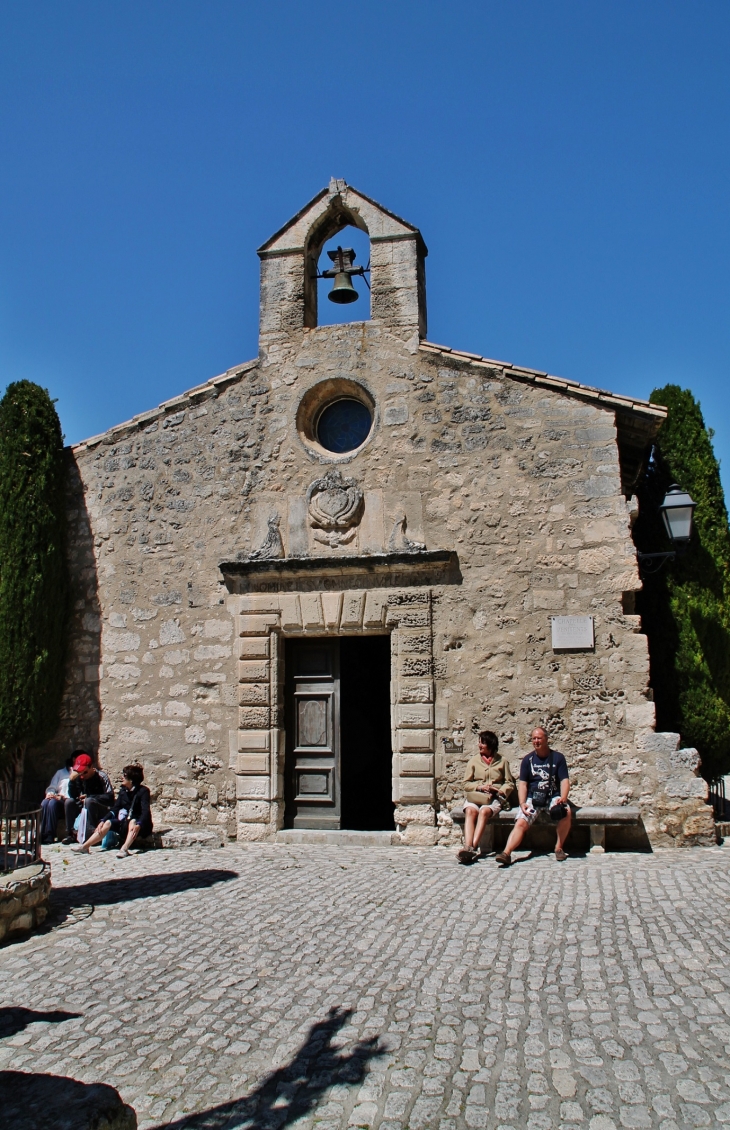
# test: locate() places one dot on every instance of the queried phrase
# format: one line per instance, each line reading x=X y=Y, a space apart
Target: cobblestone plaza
x=281 y=985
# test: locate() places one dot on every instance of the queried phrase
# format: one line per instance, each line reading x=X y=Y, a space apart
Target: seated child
x=130 y=816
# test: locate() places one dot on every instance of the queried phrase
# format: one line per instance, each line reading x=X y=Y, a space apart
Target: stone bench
x=596 y=819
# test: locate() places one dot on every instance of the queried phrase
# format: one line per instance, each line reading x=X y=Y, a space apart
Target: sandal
x=80 y=848
x=122 y=853
x=503 y=858
x=561 y=855
x=466 y=855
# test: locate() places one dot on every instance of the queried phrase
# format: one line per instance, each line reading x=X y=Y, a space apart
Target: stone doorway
x=339 y=761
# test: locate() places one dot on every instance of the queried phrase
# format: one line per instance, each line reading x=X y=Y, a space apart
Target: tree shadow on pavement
x=293 y=1090
x=14 y=1020
x=107 y=892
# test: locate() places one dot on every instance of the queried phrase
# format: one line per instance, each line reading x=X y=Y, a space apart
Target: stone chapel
x=302 y=587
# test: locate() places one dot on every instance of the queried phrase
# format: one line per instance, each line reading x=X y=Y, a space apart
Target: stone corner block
x=414 y=790
x=414 y=765
x=253 y=811
x=640 y=717
x=415 y=740
x=248 y=741
x=688 y=759
x=253 y=788
x=255 y=764
x=258 y=602
x=414 y=715
x=252 y=625
x=663 y=742
x=252 y=833
x=416 y=835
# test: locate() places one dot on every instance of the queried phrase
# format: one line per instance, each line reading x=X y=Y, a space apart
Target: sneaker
x=561 y=855
x=503 y=858
x=466 y=855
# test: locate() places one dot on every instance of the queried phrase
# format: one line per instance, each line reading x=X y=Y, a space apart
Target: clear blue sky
x=567 y=163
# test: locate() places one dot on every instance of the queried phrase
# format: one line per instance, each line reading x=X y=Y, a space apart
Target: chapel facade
x=304 y=586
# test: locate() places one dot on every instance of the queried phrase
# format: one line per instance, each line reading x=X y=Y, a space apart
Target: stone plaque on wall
x=572 y=633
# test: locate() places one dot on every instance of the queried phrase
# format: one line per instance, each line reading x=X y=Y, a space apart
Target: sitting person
x=543 y=787
x=488 y=783
x=130 y=817
x=52 y=804
x=89 y=789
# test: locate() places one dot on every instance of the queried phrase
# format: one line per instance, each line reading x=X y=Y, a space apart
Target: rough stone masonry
x=486 y=499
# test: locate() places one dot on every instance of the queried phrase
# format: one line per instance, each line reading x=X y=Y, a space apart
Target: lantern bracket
x=653 y=562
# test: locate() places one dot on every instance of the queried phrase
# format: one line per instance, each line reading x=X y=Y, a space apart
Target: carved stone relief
x=335 y=508
x=399 y=539
x=272 y=547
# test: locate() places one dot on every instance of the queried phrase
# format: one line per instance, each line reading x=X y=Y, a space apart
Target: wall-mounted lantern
x=676 y=510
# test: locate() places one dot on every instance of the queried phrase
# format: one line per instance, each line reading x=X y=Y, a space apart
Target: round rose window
x=344 y=425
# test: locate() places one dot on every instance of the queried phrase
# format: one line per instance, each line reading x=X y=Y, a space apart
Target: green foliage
x=33 y=571
x=686 y=606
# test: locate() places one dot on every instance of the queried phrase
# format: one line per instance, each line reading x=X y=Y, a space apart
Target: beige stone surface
x=520 y=475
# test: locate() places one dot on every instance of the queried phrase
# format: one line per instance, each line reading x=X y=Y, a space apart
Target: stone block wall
x=23 y=901
x=518 y=474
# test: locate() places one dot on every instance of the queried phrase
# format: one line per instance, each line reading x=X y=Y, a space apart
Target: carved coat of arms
x=335 y=508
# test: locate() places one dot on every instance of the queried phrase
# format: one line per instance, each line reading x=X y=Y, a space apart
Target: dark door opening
x=366 y=757
x=338 y=746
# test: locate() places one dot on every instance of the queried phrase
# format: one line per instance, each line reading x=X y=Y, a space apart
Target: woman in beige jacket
x=488 y=785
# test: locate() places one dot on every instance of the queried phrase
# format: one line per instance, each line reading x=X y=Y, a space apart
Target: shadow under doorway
x=365 y=735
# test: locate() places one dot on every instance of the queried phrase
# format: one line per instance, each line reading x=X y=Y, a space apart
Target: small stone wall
x=24 y=896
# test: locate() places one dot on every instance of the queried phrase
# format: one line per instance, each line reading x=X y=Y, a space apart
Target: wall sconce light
x=677 y=511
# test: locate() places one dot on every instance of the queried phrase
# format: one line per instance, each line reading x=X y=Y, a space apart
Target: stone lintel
x=385 y=570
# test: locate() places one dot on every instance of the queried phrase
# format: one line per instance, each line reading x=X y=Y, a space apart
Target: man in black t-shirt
x=543 y=786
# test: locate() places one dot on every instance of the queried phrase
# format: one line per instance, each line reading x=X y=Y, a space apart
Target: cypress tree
x=686 y=606
x=33 y=575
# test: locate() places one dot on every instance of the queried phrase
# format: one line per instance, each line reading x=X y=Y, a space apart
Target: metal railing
x=717 y=799
x=20 y=839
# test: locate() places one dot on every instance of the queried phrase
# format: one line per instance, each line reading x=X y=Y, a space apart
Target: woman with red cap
x=90 y=789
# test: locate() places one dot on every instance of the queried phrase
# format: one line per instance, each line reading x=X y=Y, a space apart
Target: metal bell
x=342 y=289
x=342 y=269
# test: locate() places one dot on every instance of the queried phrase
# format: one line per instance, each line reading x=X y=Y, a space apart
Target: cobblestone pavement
x=274 y=986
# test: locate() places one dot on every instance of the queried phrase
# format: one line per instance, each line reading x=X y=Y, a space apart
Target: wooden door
x=312 y=785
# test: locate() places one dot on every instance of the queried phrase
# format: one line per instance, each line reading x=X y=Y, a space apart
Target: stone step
x=186 y=836
x=340 y=837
